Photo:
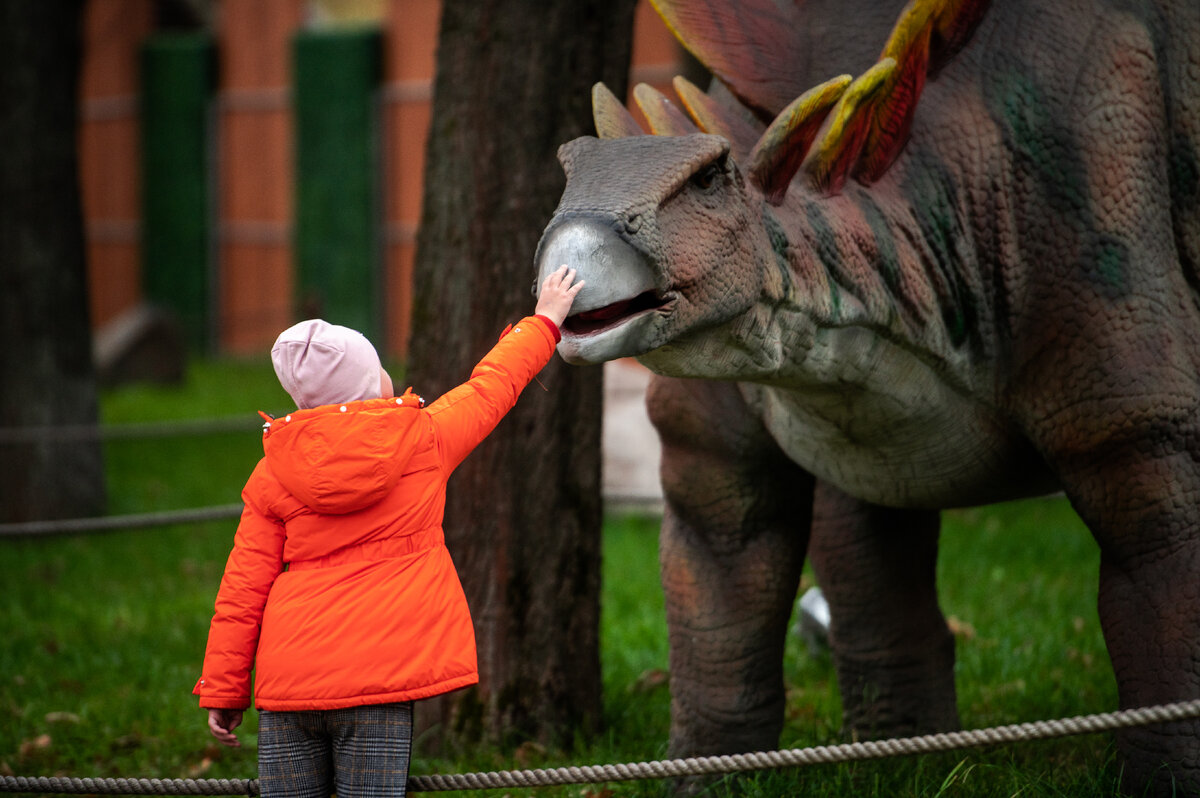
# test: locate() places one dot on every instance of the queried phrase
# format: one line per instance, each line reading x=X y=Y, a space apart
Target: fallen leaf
x=960 y=628
x=1075 y=655
x=39 y=743
x=527 y=752
x=650 y=680
x=126 y=742
x=62 y=717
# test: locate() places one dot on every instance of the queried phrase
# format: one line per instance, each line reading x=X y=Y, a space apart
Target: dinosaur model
x=963 y=271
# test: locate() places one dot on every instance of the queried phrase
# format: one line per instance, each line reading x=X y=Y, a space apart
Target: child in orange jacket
x=339 y=593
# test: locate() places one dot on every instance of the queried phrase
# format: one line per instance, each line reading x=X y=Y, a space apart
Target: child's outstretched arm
x=465 y=415
x=557 y=294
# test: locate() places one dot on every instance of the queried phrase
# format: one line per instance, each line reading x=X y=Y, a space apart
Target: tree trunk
x=524 y=511
x=46 y=373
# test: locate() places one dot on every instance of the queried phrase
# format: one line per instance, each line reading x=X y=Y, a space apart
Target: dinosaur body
x=896 y=305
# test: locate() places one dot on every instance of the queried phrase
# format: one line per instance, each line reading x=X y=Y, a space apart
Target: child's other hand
x=557 y=294
x=222 y=722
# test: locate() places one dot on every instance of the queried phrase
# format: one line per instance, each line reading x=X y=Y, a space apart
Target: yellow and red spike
x=712 y=117
x=835 y=156
x=612 y=118
x=954 y=22
x=749 y=47
x=893 y=111
x=664 y=118
x=781 y=149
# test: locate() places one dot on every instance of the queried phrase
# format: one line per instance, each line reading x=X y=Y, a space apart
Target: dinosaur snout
x=615 y=272
x=619 y=294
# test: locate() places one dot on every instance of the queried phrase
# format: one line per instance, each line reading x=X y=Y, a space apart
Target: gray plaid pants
x=356 y=752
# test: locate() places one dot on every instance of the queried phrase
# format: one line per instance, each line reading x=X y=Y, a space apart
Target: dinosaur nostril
x=633 y=223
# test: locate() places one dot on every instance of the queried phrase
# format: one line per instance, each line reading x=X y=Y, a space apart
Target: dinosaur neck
x=875 y=273
x=843 y=280
x=879 y=267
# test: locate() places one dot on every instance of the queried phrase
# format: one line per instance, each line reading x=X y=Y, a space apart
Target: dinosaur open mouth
x=591 y=322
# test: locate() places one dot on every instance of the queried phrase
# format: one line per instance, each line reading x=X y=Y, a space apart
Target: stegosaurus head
x=667 y=229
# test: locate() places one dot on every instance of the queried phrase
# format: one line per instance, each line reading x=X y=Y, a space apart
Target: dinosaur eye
x=707 y=177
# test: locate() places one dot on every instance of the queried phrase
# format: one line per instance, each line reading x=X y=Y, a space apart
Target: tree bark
x=524 y=511
x=46 y=373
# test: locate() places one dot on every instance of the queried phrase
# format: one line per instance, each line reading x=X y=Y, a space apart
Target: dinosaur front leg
x=1144 y=514
x=894 y=653
x=1125 y=444
x=731 y=548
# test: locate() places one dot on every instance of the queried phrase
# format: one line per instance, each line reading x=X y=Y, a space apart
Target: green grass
x=104 y=636
x=152 y=474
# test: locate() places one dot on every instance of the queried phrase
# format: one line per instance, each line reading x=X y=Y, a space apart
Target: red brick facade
x=254 y=194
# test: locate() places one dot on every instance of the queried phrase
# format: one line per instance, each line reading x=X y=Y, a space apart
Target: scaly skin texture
x=1011 y=308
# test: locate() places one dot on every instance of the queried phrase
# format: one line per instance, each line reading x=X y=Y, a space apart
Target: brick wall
x=252 y=167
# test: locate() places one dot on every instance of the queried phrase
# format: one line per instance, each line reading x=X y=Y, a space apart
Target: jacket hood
x=339 y=459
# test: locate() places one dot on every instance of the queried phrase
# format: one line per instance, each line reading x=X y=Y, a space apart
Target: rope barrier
x=66 y=785
x=133 y=431
x=163 y=429
x=673 y=768
x=110 y=522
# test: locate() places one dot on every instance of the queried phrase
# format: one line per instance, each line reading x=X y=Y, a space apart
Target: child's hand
x=557 y=294
x=222 y=722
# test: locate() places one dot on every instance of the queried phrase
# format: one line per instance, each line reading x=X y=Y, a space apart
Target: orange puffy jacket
x=339 y=590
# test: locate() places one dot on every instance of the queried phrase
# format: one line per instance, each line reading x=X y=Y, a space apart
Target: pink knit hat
x=319 y=363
